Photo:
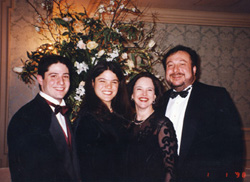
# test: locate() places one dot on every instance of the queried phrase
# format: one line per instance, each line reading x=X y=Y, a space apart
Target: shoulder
x=204 y=91
x=166 y=94
x=85 y=116
x=29 y=108
x=86 y=121
x=33 y=117
x=208 y=88
x=35 y=111
x=161 y=120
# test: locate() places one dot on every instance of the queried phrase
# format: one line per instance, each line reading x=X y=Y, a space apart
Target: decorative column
x=5 y=6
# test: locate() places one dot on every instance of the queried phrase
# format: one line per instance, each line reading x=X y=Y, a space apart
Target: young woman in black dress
x=101 y=131
x=153 y=145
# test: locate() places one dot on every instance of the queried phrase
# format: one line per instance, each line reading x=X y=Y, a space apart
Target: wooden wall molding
x=204 y=18
x=247 y=144
x=5 y=6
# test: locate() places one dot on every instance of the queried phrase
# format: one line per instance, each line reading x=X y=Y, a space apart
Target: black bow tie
x=183 y=93
x=62 y=109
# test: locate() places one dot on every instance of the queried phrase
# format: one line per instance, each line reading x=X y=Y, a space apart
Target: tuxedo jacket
x=212 y=140
x=37 y=147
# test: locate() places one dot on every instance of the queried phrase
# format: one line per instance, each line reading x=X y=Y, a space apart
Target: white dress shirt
x=175 y=111
x=59 y=116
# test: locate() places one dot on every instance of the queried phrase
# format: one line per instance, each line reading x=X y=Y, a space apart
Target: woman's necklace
x=138 y=122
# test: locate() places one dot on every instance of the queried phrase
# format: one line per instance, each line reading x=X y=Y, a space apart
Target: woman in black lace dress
x=152 y=147
x=100 y=131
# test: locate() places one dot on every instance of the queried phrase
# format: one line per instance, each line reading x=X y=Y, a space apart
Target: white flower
x=101 y=8
x=18 y=69
x=80 y=90
x=82 y=83
x=122 y=6
x=130 y=64
x=43 y=5
x=78 y=98
x=37 y=29
x=67 y=19
x=126 y=73
x=92 y=45
x=93 y=60
x=124 y=55
x=151 y=43
x=112 y=2
x=81 y=67
x=118 y=31
x=39 y=19
x=133 y=9
x=100 y=53
x=158 y=76
x=81 y=45
x=109 y=59
x=113 y=55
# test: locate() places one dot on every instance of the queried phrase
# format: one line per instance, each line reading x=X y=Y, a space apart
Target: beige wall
x=225 y=57
x=224 y=51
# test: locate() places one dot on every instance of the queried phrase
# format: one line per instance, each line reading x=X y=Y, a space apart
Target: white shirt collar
x=190 y=86
x=51 y=99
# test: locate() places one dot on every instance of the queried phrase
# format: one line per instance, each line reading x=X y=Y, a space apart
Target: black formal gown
x=101 y=146
x=152 y=150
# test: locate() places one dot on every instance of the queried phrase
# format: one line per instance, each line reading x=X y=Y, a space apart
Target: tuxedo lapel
x=61 y=144
x=165 y=101
x=190 y=123
x=74 y=158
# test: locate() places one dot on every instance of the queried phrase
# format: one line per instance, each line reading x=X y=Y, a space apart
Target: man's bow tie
x=62 y=109
x=183 y=93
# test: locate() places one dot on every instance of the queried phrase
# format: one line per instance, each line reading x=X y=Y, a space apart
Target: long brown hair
x=120 y=103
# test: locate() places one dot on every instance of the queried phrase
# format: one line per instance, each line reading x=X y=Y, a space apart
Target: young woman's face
x=143 y=93
x=106 y=86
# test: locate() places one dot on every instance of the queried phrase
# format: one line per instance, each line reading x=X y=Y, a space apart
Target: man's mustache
x=177 y=74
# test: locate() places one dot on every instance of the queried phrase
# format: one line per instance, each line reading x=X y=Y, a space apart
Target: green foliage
x=107 y=35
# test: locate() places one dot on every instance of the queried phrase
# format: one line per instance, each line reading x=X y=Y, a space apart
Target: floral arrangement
x=114 y=33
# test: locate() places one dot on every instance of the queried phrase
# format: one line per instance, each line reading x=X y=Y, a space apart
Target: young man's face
x=56 y=81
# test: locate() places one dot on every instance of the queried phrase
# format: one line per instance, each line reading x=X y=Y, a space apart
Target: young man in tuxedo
x=40 y=139
x=207 y=124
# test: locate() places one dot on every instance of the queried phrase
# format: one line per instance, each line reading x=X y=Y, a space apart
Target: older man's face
x=179 y=70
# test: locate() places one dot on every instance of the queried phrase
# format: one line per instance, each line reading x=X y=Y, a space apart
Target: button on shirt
x=59 y=116
x=175 y=111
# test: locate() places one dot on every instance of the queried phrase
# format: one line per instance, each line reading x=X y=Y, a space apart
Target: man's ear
x=194 y=70
x=39 y=79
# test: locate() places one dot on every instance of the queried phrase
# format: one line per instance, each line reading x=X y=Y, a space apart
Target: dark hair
x=159 y=88
x=93 y=103
x=48 y=60
x=193 y=55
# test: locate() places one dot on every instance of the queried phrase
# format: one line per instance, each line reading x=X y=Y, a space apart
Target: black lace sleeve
x=168 y=143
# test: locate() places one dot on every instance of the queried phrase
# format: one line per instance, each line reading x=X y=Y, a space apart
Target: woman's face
x=143 y=93
x=106 y=86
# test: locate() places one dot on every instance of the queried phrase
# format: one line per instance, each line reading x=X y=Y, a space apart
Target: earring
x=153 y=102
x=132 y=99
